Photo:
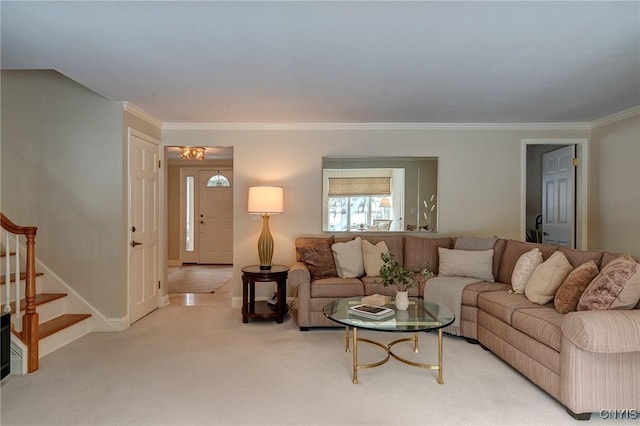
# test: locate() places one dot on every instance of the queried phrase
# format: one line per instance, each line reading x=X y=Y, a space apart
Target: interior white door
x=215 y=219
x=143 y=227
x=558 y=197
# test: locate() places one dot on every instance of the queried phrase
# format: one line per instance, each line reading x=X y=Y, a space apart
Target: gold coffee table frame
x=423 y=316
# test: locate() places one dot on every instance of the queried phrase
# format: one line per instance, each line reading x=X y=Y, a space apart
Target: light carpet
x=199 y=365
x=198 y=278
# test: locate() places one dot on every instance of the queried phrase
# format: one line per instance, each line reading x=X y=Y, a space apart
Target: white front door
x=558 y=197
x=215 y=218
x=144 y=281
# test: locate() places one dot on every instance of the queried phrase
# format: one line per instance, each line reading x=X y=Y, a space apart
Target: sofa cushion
x=512 y=252
x=471 y=292
x=337 y=287
x=526 y=264
x=466 y=263
x=617 y=286
x=371 y=257
x=502 y=304
x=568 y=295
x=348 y=257
x=547 y=278
x=316 y=254
x=474 y=243
x=422 y=253
x=580 y=257
x=541 y=323
x=608 y=257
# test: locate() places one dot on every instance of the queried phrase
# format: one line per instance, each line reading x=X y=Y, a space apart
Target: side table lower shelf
x=261 y=309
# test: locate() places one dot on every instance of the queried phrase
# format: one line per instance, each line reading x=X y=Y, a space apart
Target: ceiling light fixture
x=192 y=153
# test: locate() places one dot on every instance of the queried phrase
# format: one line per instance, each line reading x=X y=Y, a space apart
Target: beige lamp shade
x=385 y=202
x=266 y=199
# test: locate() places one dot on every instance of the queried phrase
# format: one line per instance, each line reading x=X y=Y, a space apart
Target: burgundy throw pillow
x=318 y=258
x=568 y=295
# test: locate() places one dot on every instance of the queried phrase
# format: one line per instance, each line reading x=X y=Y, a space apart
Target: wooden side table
x=261 y=310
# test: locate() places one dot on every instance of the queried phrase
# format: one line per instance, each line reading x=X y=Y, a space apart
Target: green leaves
x=394 y=274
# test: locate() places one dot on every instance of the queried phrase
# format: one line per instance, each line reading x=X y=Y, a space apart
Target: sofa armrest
x=299 y=274
x=611 y=331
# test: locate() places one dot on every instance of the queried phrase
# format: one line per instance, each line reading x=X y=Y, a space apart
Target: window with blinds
x=350 y=186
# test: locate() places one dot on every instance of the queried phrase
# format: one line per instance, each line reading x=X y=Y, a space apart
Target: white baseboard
x=118 y=324
x=164 y=301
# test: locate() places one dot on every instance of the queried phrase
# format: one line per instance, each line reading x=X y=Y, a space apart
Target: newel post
x=30 y=319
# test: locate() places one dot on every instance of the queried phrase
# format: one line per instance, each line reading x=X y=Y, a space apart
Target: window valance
x=351 y=186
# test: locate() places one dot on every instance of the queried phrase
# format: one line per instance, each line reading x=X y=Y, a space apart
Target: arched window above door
x=218 y=180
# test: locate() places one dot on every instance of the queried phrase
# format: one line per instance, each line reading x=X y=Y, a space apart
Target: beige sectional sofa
x=588 y=360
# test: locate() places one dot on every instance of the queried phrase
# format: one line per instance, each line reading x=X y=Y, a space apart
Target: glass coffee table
x=420 y=316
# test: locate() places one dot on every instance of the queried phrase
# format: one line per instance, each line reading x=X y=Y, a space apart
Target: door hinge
x=158 y=284
x=576 y=162
x=159 y=164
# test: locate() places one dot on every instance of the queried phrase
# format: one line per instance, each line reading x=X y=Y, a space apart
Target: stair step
x=12 y=277
x=60 y=323
x=4 y=253
x=41 y=299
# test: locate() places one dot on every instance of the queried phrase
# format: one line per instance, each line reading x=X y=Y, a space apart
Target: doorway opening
x=199 y=218
x=554 y=204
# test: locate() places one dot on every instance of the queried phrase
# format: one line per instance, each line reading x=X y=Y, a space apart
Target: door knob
x=135 y=243
x=202 y=222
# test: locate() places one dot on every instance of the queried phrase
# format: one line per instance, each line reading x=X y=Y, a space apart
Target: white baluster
x=17 y=269
x=7 y=272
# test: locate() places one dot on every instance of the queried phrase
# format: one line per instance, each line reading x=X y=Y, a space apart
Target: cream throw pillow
x=526 y=264
x=466 y=263
x=348 y=256
x=371 y=257
x=547 y=278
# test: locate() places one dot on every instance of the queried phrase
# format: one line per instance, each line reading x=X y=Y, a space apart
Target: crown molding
x=622 y=115
x=141 y=114
x=374 y=126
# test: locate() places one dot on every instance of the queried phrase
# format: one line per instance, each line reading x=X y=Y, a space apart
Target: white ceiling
x=339 y=62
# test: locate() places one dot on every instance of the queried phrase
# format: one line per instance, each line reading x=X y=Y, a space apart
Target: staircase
x=45 y=318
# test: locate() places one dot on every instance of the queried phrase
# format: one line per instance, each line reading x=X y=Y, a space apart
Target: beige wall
x=615 y=187
x=63 y=168
x=62 y=172
x=479 y=177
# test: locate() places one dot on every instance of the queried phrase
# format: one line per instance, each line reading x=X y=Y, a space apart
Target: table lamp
x=265 y=200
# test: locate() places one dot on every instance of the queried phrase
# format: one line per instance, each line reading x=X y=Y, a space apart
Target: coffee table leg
x=355 y=355
x=415 y=344
x=346 y=339
x=440 y=381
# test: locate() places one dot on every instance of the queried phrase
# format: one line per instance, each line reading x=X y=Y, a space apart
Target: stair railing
x=29 y=323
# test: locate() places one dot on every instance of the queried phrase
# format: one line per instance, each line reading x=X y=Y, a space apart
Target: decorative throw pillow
x=617 y=286
x=547 y=278
x=318 y=258
x=526 y=264
x=466 y=263
x=371 y=257
x=568 y=295
x=348 y=257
